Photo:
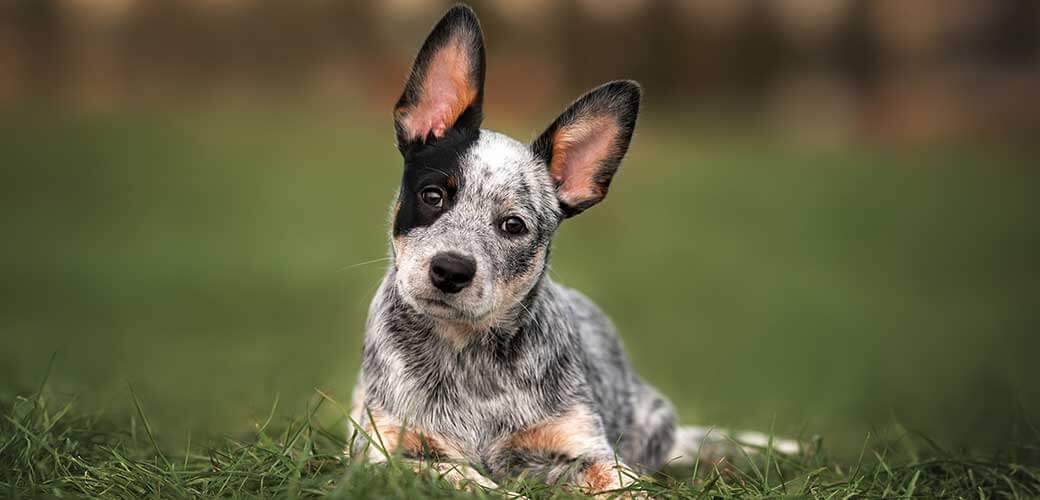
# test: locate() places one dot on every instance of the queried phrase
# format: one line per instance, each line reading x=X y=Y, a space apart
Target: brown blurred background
x=818 y=70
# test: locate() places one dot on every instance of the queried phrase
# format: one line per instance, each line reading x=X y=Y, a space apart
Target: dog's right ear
x=583 y=148
x=445 y=90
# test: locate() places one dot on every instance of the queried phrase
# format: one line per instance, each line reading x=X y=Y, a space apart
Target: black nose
x=451 y=272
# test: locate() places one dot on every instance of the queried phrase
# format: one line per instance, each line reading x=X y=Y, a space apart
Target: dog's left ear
x=445 y=89
x=583 y=148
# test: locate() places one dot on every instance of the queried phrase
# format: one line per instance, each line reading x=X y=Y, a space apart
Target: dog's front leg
x=384 y=438
x=569 y=449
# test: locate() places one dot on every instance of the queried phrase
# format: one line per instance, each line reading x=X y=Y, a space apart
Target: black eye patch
x=433 y=164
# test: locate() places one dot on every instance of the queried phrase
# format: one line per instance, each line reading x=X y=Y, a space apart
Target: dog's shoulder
x=582 y=310
x=595 y=331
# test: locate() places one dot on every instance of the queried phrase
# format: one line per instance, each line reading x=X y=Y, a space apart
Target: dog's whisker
x=365 y=263
x=520 y=302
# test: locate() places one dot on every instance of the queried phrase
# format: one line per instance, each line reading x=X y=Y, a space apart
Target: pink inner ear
x=445 y=95
x=578 y=151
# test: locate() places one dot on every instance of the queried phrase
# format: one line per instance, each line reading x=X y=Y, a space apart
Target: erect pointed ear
x=584 y=146
x=445 y=89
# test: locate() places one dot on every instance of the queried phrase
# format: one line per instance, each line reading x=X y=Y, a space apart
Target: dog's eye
x=432 y=196
x=513 y=226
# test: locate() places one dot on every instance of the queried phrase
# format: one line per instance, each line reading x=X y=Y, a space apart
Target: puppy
x=474 y=360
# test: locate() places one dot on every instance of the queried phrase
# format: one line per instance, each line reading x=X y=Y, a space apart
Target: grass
x=48 y=448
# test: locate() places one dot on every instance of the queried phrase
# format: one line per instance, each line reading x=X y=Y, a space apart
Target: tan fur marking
x=446 y=92
x=411 y=442
x=567 y=434
x=445 y=458
x=578 y=150
x=600 y=476
x=573 y=434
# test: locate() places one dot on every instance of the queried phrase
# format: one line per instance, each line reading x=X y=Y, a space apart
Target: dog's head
x=476 y=211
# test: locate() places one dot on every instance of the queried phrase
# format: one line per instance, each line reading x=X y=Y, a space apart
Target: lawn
x=47 y=450
x=883 y=300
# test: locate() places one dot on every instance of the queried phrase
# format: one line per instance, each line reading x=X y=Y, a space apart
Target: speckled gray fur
x=545 y=349
x=507 y=373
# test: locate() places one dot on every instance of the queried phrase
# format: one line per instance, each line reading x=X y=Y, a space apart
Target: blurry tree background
x=821 y=70
x=827 y=220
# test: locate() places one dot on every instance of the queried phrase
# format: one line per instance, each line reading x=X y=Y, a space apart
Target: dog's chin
x=446 y=310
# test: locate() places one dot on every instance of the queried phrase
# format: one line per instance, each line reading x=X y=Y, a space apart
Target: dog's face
x=476 y=211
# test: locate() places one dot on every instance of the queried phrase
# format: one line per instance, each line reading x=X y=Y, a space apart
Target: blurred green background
x=831 y=253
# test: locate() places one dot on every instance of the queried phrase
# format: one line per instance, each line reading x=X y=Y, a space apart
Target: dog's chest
x=475 y=395
x=467 y=395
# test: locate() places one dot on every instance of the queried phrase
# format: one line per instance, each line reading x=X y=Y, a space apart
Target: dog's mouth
x=438 y=303
x=442 y=309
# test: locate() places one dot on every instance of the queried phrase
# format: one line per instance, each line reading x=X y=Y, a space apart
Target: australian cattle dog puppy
x=474 y=361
